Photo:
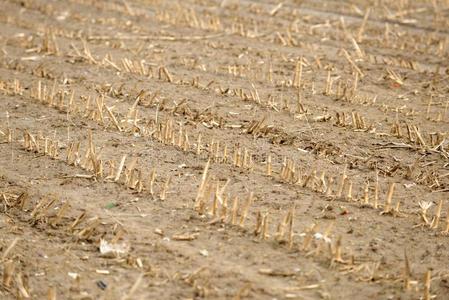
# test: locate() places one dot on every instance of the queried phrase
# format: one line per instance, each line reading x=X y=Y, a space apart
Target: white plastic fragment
x=113 y=250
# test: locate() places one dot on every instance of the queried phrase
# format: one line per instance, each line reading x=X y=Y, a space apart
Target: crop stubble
x=290 y=150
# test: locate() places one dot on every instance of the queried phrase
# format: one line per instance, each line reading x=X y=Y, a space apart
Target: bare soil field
x=214 y=149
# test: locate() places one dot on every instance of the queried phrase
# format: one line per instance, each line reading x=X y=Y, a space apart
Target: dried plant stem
x=8 y=272
x=308 y=237
x=51 y=294
x=152 y=178
x=436 y=219
x=163 y=194
x=297 y=78
x=427 y=282
x=387 y=208
x=134 y=288
x=245 y=210
x=20 y=285
x=9 y=249
x=337 y=251
x=328 y=192
x=258 y=226
x=77 y=221
x=61 y=213
x=352 y=63
x=362 y=27
x=349 y=194
x=113 y=118
x=120 y=168
x=269 y=165
x=224 y=208
x=200 y=194
x=341 y=185
x=407 y=271
x=265 y=235
x=446 y=231
x=366 y=195
x=198 y=145
x=376 y=192
x=235 y=206
x=290 y=228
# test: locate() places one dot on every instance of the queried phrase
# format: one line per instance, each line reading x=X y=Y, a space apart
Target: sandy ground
x=225 y=150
